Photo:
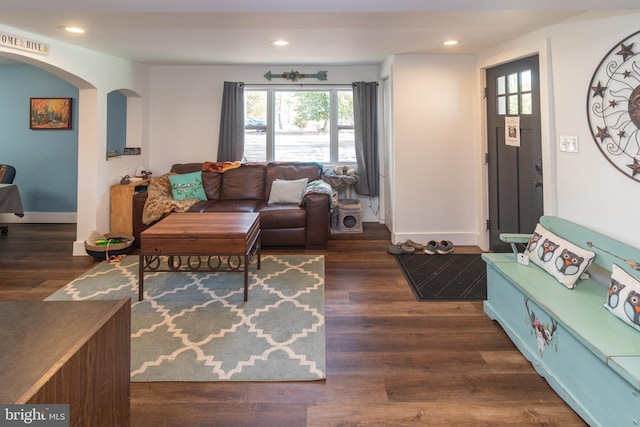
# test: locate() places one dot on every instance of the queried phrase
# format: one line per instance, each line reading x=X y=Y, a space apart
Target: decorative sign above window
x=295 y=75
x=613 y=106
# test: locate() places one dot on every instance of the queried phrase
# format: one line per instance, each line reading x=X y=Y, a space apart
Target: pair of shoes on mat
x=431 y=248
x=400 y=249
x=408 y=247
x=414 y=245
x=443 y=247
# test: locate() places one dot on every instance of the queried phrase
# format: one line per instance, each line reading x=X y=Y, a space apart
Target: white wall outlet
x=569 y=144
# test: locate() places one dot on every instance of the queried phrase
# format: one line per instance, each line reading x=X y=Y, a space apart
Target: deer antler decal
x=544 y=335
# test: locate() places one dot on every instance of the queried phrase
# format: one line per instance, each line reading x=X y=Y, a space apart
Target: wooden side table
x=122 y=205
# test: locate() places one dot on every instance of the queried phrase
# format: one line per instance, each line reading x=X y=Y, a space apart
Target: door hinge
x=488 y=224
x=486 y=92
x=486 y=158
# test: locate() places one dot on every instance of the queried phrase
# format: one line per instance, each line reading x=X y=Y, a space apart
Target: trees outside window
x=299 y=124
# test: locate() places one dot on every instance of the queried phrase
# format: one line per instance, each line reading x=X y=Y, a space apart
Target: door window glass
x=526 y=108
x=513 y=105
x=525 y=81
x=501 y=85
x=502 y=105
x=512 y=80
x=513 y=94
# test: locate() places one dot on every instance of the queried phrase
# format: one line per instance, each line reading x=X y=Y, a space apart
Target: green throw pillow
x=187 y=186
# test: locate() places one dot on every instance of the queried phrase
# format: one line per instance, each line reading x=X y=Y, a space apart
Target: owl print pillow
x=623 y=299
x=557 y=256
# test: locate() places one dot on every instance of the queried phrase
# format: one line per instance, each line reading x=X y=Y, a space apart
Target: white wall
x=587 y=189
x=436 y=149
x=186 y=101
x=95 y=75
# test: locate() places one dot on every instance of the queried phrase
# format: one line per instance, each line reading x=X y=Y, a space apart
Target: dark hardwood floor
x=391 y=361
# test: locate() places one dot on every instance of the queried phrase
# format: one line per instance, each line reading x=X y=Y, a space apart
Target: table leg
x=141 y=278
x=259 y=260
x=246 y=277
x=259 y=249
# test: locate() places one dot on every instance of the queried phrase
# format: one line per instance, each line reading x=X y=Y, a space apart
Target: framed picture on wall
x=50 y=113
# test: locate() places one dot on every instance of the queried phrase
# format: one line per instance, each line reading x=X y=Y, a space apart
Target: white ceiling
x=320 y=32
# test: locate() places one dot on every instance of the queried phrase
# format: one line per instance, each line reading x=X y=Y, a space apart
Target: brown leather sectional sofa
x=247 y=189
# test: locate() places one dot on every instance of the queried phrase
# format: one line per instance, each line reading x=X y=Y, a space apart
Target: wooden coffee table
x=210 y=242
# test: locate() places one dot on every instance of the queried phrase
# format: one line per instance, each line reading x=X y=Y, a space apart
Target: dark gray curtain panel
x=365 y=122
x=231 y=140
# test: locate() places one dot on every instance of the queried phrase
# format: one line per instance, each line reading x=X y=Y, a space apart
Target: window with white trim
x=301 y=124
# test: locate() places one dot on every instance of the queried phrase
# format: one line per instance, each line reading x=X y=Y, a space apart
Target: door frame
x=547 y=126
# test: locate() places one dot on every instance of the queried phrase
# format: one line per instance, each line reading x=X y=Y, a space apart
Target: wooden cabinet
x=68 y=352
x=122 y=205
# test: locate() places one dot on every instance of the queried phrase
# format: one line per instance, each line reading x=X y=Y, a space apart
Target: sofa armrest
x=318 y=214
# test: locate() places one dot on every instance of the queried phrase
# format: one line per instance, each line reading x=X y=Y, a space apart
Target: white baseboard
x=71 y=218
x=79 y=249
x=40 y=217
x=458 y=238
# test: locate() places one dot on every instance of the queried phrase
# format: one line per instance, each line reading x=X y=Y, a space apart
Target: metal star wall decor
x=635 y=167
x=613 y=106
x=295 y=75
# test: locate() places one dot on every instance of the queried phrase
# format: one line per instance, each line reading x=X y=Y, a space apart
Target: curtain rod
x=294 y=85
x=298 y=84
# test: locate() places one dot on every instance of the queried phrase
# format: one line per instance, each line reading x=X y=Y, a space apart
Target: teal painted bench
x=590 y=357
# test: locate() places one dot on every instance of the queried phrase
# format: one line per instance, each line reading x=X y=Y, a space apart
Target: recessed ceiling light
x=280 y=43
x=75 y=30
x=450 y=42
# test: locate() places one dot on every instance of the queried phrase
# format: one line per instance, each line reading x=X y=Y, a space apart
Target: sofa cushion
x=283 y=215
x=291 y=170
x=212 y=181
x=244 y=183
x=187 y=186
x=186 y=167
x=227 y=206
x=287 y=190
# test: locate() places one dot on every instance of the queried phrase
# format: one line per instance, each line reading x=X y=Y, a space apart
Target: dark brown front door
x=515 y=172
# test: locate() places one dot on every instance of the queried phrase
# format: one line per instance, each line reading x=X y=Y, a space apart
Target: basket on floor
x=103 y=252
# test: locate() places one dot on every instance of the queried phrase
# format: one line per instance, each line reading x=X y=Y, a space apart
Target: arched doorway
x=85 y=141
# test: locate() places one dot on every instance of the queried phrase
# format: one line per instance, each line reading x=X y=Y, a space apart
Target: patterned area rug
x=196 y=326
x=445 y=277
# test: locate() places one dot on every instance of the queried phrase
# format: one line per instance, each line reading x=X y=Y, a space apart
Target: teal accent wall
x=116 y=122
x=46 y=161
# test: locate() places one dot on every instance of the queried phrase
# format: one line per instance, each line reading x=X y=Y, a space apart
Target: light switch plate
x=569 y=144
